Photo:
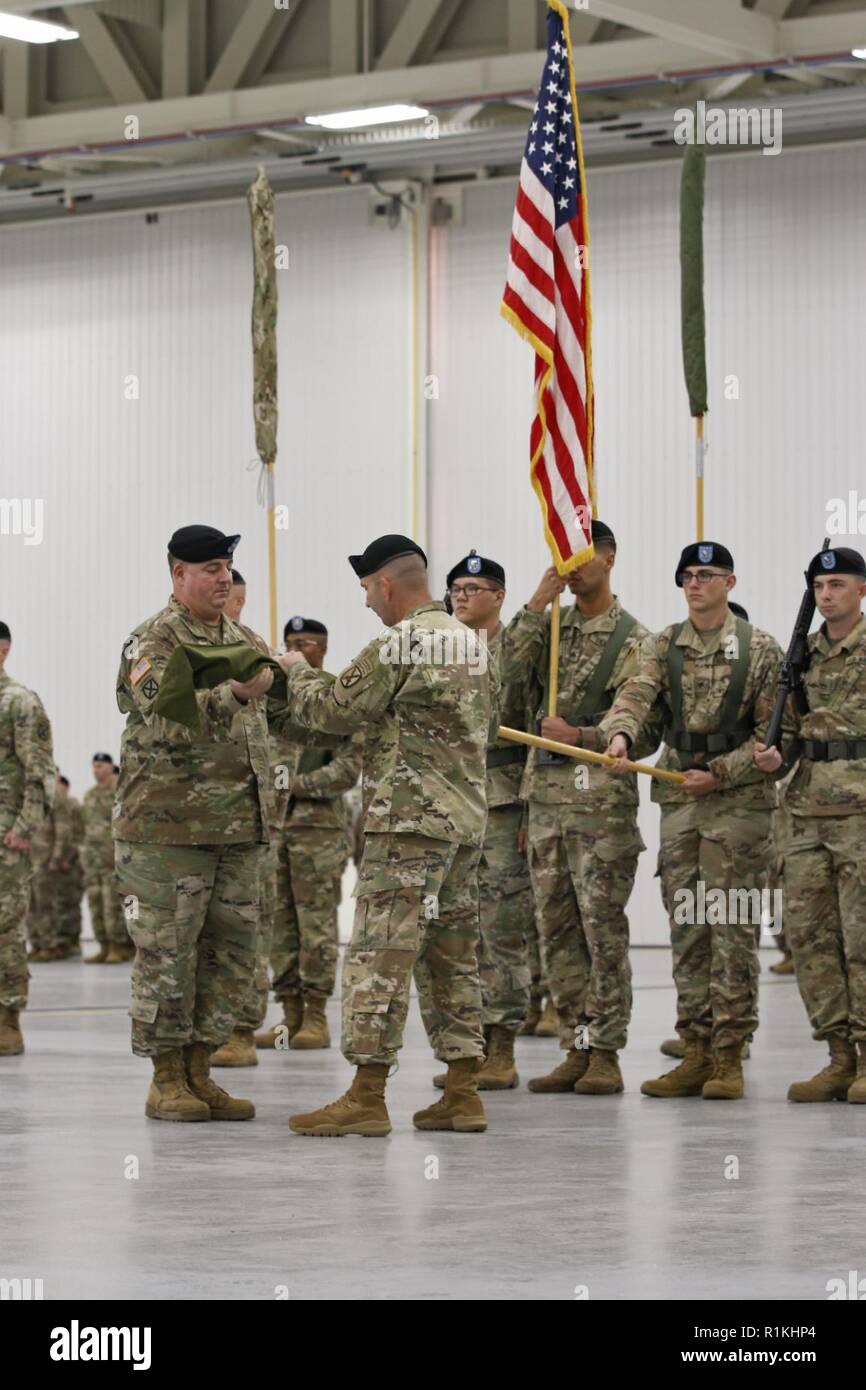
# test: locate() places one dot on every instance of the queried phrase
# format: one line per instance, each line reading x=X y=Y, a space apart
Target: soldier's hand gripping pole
x=584 y=755
x=794 y=665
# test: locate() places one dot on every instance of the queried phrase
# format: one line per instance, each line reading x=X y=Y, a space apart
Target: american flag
x=547 y=301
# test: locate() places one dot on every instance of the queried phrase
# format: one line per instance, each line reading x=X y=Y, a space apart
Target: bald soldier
x=824 y=833
x=476 y=586
x=27 y=779
x=192 y=817
x=422 y=693
x=237 y=599
x=717 y=677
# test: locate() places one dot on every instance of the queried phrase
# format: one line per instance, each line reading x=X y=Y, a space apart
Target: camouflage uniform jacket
x=835 y=685
x=68 y=831
x=581 y=644
x=97 y=848
x=181 y=786
x=426 y=725
x=504 y=777
x=323 y=776
x=27 y=773
x=705 y=679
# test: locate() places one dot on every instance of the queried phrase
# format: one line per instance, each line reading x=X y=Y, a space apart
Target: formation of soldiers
x=487 y=874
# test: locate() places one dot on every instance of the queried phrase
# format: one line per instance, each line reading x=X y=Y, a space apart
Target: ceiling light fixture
x=372 y=115
x=859 y=53
x=16 y=26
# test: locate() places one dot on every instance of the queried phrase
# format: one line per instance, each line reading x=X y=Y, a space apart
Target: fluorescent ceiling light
x=16 y=26
x=372 y=115
x=859 y=53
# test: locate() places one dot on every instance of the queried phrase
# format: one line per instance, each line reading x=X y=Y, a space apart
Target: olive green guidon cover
x=192 y=668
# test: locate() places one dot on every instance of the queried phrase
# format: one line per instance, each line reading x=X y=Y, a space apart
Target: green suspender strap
x=731 y=732
x=312 y=759
x=596 y=700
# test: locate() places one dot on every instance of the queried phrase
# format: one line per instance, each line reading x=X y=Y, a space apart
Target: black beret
x=380 y=552
x=5 y=634
x=704 y=553
x=739 y=610
x=196 y=544
x=116 y=768
x=299 y=624
x=103 y=758
x=237 y=577
x=841 y=561
x=476 y=566
x=602 y=532
x=65 y=781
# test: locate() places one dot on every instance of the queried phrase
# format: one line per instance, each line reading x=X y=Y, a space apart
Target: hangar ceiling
x=160 y=101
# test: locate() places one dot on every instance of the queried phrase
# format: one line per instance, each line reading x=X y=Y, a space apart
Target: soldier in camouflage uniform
x=26 y=792
x=65 y=866
x=717 y=677
x=584 y=840
x=301 y=883
x=100 y=876
x=424 y=697
x=825 y=830
x=237 y=600
x=192 y=816
x=477 y=589
x=41 y=915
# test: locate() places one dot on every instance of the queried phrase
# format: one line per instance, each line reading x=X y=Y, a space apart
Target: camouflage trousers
x=304 y=946
x=15 y=871
x=193 y=918
x=106 y=909
x=68 y=891
x=714 y=842
x=255 y=1005
x=825 y=916
x=582 y=874
x=416 y=909
x=538 y=986
x=42 y=914
x=507 y=915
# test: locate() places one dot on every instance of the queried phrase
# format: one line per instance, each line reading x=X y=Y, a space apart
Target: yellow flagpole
x=272 y=554
x=553 y=685
x=585 y=755
x=699 y=473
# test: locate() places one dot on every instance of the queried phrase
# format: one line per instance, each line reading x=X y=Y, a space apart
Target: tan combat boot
x=563 y=1078
x=726 y=1082
x=11 y=1040
x=689 y=1078
x=498 y=1072
x=533 y=1017
x=313 y=1032
x=38 y=954
x=282 y=1033
x=602 y=1077
x=673 y=1047
x=126 y=949
x=460 y=1109
x=362 y=1110
x=548 y=1025
x=784 y=967
x=857 y=1091
x=114 y=954
x=170 y=1097
x=221 y=1105
x=834 y=1080
x=239 y=1051
x=99 y=954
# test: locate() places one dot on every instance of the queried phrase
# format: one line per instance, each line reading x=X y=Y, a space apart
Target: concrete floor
x=626 y=1196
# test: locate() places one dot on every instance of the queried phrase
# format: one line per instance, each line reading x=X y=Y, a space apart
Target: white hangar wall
x=85 y=306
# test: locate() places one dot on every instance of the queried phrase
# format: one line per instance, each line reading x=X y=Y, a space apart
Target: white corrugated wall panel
x=85 y=305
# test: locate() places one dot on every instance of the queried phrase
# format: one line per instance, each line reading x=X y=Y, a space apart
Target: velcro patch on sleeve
x=140 y=670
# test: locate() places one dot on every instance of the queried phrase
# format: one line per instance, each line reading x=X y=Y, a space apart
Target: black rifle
x=794 y=666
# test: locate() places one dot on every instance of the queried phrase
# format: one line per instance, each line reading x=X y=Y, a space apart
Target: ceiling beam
x=522 y=26
x=253 y=39
x=108 y=57
x=183 y=48
x=722 y=27
x=344 y=20
x=16 y=80
x=411 y=31
x=147 y=13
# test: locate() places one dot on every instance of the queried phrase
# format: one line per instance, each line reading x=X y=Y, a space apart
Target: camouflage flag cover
x=692 y=277
x=261 y=201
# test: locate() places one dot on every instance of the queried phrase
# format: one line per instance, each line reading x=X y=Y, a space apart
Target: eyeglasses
x=293 y=644
x=468 y=590
x=702 y=576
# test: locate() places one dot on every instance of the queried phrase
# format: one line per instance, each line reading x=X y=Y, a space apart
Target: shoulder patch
x=140 y=670
x=150 y=688
x=352 y=676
